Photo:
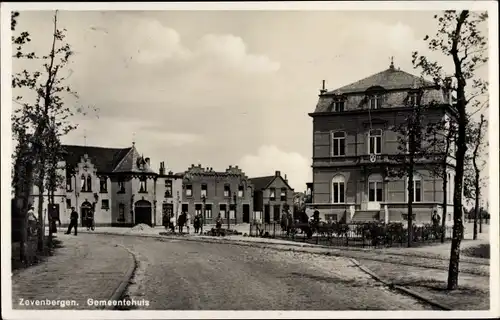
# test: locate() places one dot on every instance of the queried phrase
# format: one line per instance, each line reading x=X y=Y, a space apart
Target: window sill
x=104 y=208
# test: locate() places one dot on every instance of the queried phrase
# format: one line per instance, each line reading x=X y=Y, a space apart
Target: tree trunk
x=25 y=203
x=461 y=143
x=476 y=209
x=41 y=227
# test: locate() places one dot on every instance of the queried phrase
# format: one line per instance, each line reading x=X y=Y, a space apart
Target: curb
x=122 y=287
x=401 y=289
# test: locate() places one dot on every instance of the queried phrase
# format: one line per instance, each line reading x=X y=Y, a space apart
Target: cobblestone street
x=85 y=267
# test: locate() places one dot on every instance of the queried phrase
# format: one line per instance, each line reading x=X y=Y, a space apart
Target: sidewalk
x=83 y=268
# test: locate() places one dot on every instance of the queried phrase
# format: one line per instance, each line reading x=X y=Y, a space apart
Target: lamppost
x=203 y=200
x=178 y=204
x=235 y=207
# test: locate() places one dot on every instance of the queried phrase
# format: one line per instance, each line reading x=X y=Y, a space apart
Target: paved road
x=180 y=275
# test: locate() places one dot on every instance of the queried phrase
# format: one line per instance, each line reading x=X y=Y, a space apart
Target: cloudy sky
x=221 y=88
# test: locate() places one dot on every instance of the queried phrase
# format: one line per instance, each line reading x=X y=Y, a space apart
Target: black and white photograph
x=250 y=160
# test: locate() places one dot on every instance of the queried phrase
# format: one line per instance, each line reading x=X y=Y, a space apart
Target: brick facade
x=220 y=189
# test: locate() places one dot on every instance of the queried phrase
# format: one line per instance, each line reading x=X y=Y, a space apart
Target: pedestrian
x=32 y=221
x=196 y=223
x=54 y=217
x=182 y=221
x=90 y=220
x=218 y=225
x=73 y=221
x=172 y=223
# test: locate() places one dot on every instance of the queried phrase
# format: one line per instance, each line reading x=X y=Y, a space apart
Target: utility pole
x=178 y=204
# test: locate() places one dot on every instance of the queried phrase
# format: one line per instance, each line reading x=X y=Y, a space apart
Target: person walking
x=218 y=225
x=54 y=217
x=73 y=221
x=32 y=221
x=172 y=223
x=196 y=223
x=90 y=220
x=182 y=221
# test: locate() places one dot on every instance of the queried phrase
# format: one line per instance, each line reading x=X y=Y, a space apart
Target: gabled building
x=118 y=184
x=271 y=194
x=353 y=142
x=228 y=194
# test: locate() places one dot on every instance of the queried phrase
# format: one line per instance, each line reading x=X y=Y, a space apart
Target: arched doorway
x=85 y=208
x=143 y=212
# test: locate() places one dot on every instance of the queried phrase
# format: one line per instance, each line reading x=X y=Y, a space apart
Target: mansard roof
x=389 y=79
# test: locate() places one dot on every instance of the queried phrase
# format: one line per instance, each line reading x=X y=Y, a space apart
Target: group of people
x=184 y=220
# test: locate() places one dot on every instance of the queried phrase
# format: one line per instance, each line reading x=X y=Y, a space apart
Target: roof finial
x=392 y=63
x=85 y=137
x=133 y=138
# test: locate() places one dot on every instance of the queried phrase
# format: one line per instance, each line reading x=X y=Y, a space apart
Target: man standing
x=73 y=221
x=182 y=221
x=196 y=223
x=31 y=221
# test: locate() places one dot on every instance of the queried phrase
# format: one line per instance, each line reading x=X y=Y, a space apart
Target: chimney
x=277 y=174
x=148 y=161
x=162 y=168
x=286 y=180
x=323 y=89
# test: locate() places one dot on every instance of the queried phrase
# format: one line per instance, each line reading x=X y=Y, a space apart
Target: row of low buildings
x=352 y=148
x=122 y=189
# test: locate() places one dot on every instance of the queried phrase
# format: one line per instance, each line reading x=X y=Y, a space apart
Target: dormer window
x=103 y=184
x=143 y=187
x=121 y=186
x=376 y=101
x=412 y=99
x=338 y=106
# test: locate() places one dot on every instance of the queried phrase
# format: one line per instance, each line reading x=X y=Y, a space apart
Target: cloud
x=270 y=158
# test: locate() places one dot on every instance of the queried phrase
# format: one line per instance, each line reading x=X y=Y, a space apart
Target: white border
x=6 y=66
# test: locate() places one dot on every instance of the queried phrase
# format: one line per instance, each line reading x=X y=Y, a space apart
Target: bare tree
x=458 y=37
x=47 y=118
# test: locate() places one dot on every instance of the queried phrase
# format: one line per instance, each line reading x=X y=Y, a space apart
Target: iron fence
x=363 y=235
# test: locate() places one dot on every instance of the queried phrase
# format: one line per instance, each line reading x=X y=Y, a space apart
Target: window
x=68 y=203
x=143 y=186
x=240 y=192
x=121 y=186
x=412 y=99
x=417 y=188
x=83 y=183
x=283 y=194
x=89 y=183
x=208 y=211
x=168 y=188
x=197 y=209
x=105 y=204
x=375 y=141
x=68 y=184
x=189 y=190
x=272 y=194
x=185 y=207
x=339 y=144
x=338 y=106
x=227 y=190
x=222 y=210
x=338 y=189
x=376 y=101
x=232 y=211
x=121 y=212
x=375 y=191
x=103 y=183
x=204 y=190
